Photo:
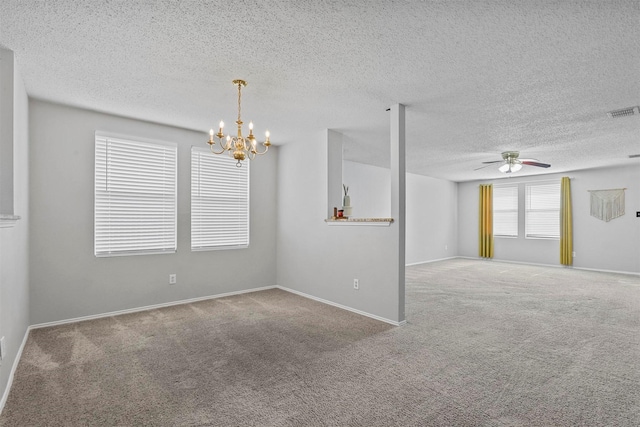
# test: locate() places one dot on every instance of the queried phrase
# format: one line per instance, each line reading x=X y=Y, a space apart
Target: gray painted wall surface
x=369 y=188
x=14 y=262
x=322 y=260
x=432 y=212
x=598 y=245
x=432 y=219
x=613 y=245
x=68 y=281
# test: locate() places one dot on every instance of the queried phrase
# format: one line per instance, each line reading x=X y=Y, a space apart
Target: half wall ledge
x=380 y=222
x=7 y=221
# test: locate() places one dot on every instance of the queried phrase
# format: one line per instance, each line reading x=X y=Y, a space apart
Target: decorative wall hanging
x=607 y=204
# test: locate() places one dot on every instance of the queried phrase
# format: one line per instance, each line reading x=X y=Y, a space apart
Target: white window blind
x=219 y=201
x=542 y=211
x=135 y=197
x=505 y=211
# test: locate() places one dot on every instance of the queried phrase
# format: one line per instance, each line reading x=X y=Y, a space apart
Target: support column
x=6 y=132
x=398 y=197
x=334 y=178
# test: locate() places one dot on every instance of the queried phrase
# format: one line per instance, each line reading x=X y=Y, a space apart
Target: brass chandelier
x=238 y=146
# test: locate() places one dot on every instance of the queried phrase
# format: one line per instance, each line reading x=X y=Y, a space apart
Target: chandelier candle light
x=238 y=146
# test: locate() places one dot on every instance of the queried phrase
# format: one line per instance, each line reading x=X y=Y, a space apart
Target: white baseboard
x=146 y=308
x=16 y=361
x=430 y=261
x=344 y=307
x=607 y=271
x=191 y=300
x=506 y=261
x=599 y=270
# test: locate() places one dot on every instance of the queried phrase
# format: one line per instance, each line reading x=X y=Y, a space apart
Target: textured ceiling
x=477 y=77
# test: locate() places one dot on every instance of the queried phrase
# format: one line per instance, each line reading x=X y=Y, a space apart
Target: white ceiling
x=477 y=77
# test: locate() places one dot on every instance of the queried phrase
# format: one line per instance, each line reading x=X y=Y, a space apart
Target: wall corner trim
x=5 y=394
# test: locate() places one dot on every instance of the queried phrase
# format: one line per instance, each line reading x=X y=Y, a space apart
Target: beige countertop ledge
x=384 y=222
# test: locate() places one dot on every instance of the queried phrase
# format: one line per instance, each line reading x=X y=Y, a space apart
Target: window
x=135 y=197
x=542 y=211
x=505 y=211
x=219 y=201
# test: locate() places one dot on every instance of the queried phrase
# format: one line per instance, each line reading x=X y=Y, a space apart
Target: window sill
x=541 y=238
x=219 y=248
x=378 y=222
x=8 y=221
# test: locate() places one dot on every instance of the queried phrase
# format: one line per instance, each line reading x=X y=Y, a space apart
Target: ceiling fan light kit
x=510 y=167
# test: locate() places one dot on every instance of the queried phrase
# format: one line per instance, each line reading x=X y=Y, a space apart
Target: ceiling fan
x=511 y=162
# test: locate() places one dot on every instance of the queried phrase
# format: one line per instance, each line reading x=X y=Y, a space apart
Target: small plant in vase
x=346 y=202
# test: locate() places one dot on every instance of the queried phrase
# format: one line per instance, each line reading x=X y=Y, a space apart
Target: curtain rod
x=500 y=184
x=608 y=189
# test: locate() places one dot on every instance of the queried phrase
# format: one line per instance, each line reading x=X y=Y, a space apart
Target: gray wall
x=369 y=189
x=598 y=245
x=68 y=281
x=14 y=268
x=432 y=219
x=432 y=212
x=322 y=260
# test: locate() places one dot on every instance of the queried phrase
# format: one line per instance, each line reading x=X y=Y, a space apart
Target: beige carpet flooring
x=486 y=344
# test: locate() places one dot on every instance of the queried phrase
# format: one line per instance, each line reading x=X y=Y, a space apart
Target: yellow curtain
x=566 y=223
x=486 y=221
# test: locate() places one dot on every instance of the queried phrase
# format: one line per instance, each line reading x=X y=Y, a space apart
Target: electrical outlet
x=573 y=254
x=172 y=279
x=2 y=349
x=445 y=247
x=356 y=284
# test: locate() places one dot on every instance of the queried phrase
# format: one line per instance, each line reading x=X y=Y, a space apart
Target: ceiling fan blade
x=482 y=167
x=495 y=161
x=534 y=163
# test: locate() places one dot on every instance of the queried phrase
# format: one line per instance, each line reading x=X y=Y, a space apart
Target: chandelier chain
x=239 y=100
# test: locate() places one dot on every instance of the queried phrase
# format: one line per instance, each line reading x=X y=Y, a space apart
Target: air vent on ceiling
x=634 y=156
x=624 y=112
